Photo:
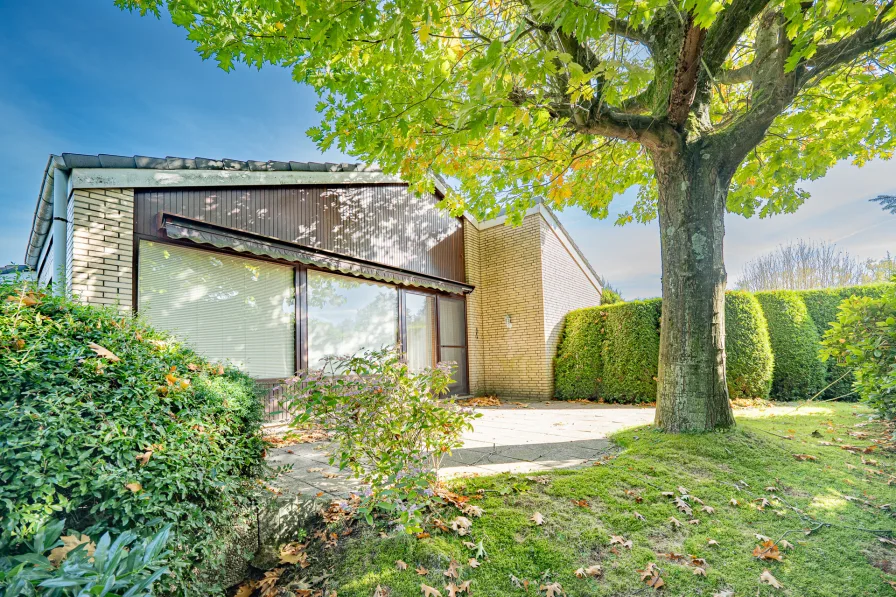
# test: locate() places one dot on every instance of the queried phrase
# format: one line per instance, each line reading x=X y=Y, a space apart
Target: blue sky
x=84 y=77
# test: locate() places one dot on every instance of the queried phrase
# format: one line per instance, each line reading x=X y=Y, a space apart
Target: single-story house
x=274 y=265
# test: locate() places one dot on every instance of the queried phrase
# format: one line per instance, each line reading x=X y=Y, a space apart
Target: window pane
x=452 y=327
x=459 y=371
x=420 y=323
x=226 y=308
x=347 y=315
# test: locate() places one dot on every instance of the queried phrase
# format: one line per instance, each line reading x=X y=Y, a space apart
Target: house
x=274 y=265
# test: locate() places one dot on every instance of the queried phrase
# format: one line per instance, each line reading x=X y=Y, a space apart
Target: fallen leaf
x=771 y=489
x=537 y=518
x=134 y=487
x=694 y=521
x=638 y=516
x=708 y=509
x=667 y=493
x=552 y=590
x=294 y=553
x=767 y=578
x=70 y=542
x=464 y=586
x=620 y=540
x=698 y=571
x=711 y=543
x=651 y=576
x=315 y=470
x=429 y=591
x=683 y=506
x=594 y=571
x=423 y=535
x=452 y=570
x=379 y=591
x=804 y=457
x=401 y=565
x=734 y=502
x=785 y=544
x=422 y=571
x=473 y=563
x=268 y=585
x=144 y=458
x=245 y=589
x=762 y=537
x=469 y=545
x=581 y=503
x=103 y=352
x=471 y=510
x=331 y=475
x=768 y=551
x=461 y=525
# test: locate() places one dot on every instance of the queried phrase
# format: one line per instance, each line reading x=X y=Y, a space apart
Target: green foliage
x=388 y=425
x=822 y=306
x=749 y=352
x=799 y=373
x=864 y=338
x=578 y=366
x=56 y=566
x=610 y=296
x=145 y=434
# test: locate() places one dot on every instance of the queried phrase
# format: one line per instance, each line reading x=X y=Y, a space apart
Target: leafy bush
x=578 y=367
x=631 y=351
x=749 y=352
x=118 y=427
x=822 y=306
x=864 y=338
x=610 y=297
x=388 y=426
x=798 y=371
x=59 y=566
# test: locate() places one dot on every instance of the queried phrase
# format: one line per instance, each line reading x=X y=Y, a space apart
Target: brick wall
x=99 y=266
x=474 y=308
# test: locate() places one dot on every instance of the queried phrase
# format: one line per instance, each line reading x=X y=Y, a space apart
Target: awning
x=179 y=227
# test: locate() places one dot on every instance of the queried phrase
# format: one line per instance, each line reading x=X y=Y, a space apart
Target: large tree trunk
x=692 y=394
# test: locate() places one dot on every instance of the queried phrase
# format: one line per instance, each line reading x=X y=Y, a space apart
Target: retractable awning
x=179 y=227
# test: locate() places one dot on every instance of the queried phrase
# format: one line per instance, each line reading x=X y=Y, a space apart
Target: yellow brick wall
x=101 y=236
x=474 y=308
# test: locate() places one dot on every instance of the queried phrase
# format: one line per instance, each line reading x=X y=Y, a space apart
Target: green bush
x=798 y=372
x=822 y=306
x=57 y=565
x=864 y=338
x=631 y=351
x=117 y=427
x=749 y=352
x=578 y=367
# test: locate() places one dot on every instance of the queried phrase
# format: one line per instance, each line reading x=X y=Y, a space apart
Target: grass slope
x=833 y=560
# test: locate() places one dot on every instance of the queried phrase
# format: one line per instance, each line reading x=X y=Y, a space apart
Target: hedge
x=749 y=352
x=114 y=427
x=799 y=372
x=772 y=341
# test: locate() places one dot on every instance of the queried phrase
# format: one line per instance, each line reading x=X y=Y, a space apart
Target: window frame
x=300 y=278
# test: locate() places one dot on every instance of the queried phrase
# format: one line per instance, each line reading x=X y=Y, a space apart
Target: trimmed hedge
x=799 y=372
x=116 y=427
x=772 y=341
x=749 y=352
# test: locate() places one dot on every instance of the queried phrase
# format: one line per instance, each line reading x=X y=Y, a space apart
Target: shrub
x=578 y=367
x=822 y=306
x=864 y=337
x=631 y=351
x=62 y=566
x=388 y=427
x=798 y=371
x=610 y=297
x=749 y=352
x=118 y=427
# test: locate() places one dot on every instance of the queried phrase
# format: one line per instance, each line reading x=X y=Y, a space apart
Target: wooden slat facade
x=381 y=223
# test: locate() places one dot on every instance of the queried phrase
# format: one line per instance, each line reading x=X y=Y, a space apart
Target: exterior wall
x=566 y=287
x=99 y=268
x=475 y=353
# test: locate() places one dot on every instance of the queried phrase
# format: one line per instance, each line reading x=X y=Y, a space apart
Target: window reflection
x=420 y=323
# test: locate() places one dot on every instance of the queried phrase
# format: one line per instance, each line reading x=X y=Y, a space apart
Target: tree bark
x=692 y=394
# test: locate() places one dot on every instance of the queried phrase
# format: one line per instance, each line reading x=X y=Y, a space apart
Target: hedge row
x=772 y=341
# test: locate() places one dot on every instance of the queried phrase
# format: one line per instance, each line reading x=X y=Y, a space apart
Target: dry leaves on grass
x=651 y=576
x=768 y=551
x=537 y=518
x=429 y=591
x=401 y=565
x=461 y=525
x=594 y=571
x=581 y=503
x=267 y=586
x=143 y=459
x=473 y=563
x=674 y=522
x=620 y=540
x=553 y=589
x=103 y=352
x=767 y=578
x=134 y=487
x=804 y=457
x=421 y=571
x=294 y=553
x=452 y=571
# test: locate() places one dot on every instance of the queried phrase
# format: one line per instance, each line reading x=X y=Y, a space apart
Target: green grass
x=837 y=560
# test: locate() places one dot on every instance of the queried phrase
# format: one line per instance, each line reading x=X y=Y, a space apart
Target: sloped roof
x=78 y=160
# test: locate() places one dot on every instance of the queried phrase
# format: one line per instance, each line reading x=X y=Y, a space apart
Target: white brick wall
x=100 y=249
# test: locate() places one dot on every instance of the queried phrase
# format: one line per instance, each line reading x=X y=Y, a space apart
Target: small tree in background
x=707 y=106
x=804 y=265
x=888 y=202
x=609 y=295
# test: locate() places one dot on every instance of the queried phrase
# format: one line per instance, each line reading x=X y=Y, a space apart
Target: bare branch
x=684 y=82
x=645 y=130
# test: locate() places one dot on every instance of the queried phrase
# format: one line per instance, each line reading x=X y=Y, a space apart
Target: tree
x=803 y=265
x=705 y=105
x=609 y=295
x=887 y=202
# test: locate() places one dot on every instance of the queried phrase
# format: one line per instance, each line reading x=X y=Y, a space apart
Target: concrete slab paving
x=514 y=437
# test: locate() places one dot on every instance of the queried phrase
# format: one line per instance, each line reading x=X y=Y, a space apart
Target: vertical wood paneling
x=380 y=223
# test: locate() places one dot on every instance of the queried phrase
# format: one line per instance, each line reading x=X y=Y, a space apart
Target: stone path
x=536 y=436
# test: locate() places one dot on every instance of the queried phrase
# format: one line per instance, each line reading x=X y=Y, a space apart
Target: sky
x=85 y=77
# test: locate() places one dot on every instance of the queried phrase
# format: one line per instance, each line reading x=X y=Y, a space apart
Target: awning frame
x=183 y=228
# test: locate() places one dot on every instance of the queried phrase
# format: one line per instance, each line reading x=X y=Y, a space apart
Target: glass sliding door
x=226 y=308
x=420 y=330
x=347 y=315
x=453 y=340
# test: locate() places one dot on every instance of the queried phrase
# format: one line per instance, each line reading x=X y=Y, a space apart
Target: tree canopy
x=519 y=99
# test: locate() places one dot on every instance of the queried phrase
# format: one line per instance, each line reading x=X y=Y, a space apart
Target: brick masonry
x=528 y=273
x=99 y=265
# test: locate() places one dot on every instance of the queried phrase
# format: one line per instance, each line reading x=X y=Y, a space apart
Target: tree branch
x=645 y=130
x=684 y=81
x=872 y=36
x=728 y=27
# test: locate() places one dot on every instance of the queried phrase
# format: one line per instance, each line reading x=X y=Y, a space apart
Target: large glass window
x=453 y=339
x=346 y=315
x=420 y=326
x=225 y=307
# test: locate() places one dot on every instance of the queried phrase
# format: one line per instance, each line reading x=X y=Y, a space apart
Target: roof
x=78 y=160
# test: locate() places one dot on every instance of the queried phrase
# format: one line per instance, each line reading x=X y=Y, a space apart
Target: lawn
x=784 y=476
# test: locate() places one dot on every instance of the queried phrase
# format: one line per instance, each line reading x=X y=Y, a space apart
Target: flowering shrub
x=864 y=338
x=388 y=424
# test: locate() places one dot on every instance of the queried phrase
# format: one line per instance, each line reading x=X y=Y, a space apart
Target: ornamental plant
x=390 y=427
x=864 y=338
x=118 y=427
x=57 y=565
